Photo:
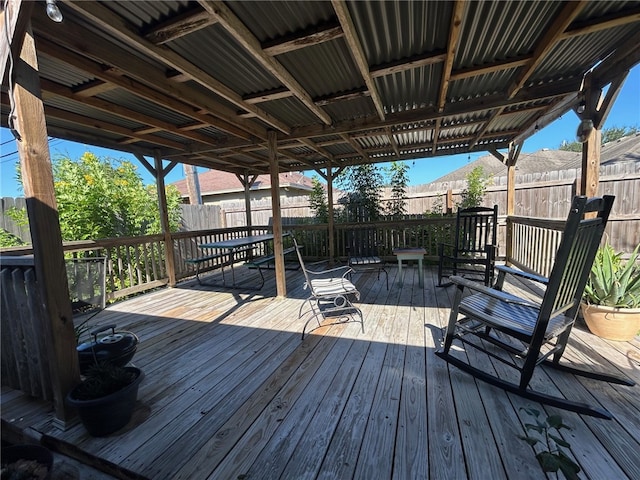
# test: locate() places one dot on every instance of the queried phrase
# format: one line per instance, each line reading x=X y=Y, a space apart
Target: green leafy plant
x=477 y=182
x=612 y=281
x=103 y=379
x=547 y=431
x=318 y=200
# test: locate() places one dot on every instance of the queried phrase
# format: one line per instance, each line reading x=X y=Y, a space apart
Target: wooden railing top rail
x=551 y=224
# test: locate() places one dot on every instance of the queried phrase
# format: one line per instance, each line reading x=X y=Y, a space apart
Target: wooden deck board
x=231 y=391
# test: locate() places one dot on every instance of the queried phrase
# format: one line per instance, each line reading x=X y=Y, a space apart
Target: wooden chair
x=331 y=293
x=513 y=330
x=474 y=249
x=363 y=250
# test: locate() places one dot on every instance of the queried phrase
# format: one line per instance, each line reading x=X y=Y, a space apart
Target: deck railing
x=138 y=264
x=532 y=243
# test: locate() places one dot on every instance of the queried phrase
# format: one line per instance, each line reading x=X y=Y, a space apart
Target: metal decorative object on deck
x=117 y=348
x=331 y=294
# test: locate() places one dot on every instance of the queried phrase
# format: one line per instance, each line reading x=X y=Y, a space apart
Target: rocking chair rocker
x=489 y=310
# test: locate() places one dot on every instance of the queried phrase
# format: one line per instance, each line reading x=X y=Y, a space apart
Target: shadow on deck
x=231 y=392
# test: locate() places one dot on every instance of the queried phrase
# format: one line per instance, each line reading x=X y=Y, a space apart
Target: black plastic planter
x=105 y=415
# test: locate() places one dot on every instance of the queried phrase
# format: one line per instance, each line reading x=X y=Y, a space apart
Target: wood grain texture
x=231 y=391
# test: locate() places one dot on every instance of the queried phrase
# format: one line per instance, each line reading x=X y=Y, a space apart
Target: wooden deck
x=231 y=392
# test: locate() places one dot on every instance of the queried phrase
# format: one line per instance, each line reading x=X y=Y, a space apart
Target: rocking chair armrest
x=520 y=273
x=492 y=292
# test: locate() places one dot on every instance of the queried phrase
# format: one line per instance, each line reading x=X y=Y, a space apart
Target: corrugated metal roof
x=320 y=93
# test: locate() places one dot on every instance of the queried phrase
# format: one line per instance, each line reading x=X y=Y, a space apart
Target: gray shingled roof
x=545 y=160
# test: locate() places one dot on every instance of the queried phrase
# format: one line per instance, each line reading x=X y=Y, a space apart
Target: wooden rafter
x=163 y=93
x=552 y=36
x=185 y=23
x=466 y=107
x=119 y=28
x=315 y=35
x=154 y=123
x=393 y=142
x=405 y=64
x=250 y=43
x=455 y=28
x=275 y=94
x=355 y=47
x=617 y=19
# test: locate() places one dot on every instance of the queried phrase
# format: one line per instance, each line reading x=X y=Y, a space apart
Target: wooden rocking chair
x=523 y=323
x=473 y=250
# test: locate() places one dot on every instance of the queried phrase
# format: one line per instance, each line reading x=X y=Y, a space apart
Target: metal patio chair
x=363 y=247
x=331 y=294
x=521 y=333
x=473 y=252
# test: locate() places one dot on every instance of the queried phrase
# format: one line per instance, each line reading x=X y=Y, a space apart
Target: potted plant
x=611 y=306
x=106 y=398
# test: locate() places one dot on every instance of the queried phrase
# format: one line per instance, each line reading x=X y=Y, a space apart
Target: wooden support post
x=331 y=226
x=512 y=158
x=591 y=164
x=42 y=210
x=164 y=221
x=449 y=202
x=278 y=250
x=246 y=184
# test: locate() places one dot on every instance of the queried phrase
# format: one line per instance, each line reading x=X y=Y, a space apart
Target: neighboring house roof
x=545 y=160
x=214 y=182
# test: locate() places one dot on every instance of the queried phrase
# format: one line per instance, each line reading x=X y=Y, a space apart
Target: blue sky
x=625 y=113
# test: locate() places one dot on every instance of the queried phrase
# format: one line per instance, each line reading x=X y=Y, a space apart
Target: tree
x=363 y=184
x=105 y=198
x=477 y=182
x=318 y=200
x=399 y=179
x=608 y=135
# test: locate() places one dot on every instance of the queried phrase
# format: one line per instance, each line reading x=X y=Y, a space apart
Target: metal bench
x=264 y=263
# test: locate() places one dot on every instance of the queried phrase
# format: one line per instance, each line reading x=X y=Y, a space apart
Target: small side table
x=414 y=253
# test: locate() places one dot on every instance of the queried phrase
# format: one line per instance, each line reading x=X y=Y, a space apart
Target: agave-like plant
x=613 y=282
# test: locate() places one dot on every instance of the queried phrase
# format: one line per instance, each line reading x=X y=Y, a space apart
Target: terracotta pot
x=621 y=324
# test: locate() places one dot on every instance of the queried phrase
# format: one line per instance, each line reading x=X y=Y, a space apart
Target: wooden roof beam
x=314 y=35
x=455 y=28
x=154 y=124
x=492 y=67
x=342 y=96
x=161 y=94
x=119 y=28
x=355 y=146
x=613 y=20
x=393 y=142
x=251 y=44
x=95 y=87
x=185 y=23
x=108 y=127
x=552 y=36
x=465 y=107
x=275 y=94
x=410 y=63
x=357 y=51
